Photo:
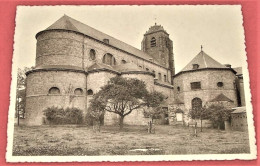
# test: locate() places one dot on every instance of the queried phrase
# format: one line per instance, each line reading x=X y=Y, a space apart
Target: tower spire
x=201 y=48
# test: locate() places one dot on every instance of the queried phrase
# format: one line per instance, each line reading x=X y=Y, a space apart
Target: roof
x=239 y=110
x=221 y=97
x=59 y=67
x=204 y=61
x=155 y=28
x=68 y=23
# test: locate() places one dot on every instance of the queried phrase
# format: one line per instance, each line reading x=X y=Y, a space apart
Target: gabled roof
x=204 y=61
x=68 y=23
x=221 y=97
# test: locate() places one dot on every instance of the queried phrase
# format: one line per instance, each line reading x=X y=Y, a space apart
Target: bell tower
x=156 y=43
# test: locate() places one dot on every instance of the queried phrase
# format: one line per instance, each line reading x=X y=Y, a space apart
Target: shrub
x=56 y=115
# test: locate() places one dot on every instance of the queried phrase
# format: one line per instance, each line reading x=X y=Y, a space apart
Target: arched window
x=165 y=78
x=90 y=92
x=78 y=91
x=153 y=42
x=123 y=62
x=92 y=54
x=159 y=76
x=196 y=103
x=54 y=90
x=109 y=59
x=178 y=89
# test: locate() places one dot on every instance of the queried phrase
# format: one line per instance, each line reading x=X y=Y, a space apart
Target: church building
x=74 y=60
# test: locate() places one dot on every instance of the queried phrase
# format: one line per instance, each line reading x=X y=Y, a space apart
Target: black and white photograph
x=130 y=83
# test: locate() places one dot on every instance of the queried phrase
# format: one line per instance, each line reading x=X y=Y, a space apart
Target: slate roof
x=68 y=23
x=204 y=61
x=155 y=28
x=239 y=110
x=221 y=97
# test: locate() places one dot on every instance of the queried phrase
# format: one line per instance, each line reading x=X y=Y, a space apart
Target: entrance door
x=179 y=117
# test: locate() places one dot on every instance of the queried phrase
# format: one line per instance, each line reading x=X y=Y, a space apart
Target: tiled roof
x=221 y=97
x=239 y=110
x=204 y=61
x=68 y=23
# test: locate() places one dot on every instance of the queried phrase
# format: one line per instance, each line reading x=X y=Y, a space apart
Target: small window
x=78 y=91
x=140 y=66
x=165 y=78
x=106 y=41
x=195 y=85
x=147 y=69
x=159 y=76
x=90 y=92
x=153 y=42
x=178 y=89
x=54 y=90
x=220 y=84
x=195 y=66
x=92 y=54
x=123 y=62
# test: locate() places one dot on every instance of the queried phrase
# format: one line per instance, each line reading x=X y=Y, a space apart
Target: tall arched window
x=78 y=91
x=92 y=54
x=196 y=103
x=109 y=59
x=153 y=42
x=90 y=92
x=54 y=90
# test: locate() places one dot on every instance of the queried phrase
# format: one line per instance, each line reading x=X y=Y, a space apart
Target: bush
x=57 y=116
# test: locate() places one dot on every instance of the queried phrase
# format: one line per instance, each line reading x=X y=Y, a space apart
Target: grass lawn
x=82 y=140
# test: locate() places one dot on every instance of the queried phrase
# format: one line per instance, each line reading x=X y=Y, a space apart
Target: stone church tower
x=156 y=43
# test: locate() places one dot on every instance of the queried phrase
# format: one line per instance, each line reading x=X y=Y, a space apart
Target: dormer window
x=153 y=42
x=195 y=66
x=106 y=41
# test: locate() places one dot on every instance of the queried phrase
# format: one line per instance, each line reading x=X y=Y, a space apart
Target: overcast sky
x=218 y=28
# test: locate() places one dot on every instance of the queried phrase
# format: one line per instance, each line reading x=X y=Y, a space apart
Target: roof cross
x=201 y=48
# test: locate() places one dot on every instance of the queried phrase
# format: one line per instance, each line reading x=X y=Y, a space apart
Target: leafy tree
x=218 y=114
x=122 y=96
x=200 y=113
x=20 y=91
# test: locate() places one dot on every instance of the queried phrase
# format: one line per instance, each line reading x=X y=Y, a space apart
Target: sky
x=219 y=28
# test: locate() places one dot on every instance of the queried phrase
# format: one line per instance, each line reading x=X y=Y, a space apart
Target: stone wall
x=38 y=97
x=239 y=121
x=209 y=89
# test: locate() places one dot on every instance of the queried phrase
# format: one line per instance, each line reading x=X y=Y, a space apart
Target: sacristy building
x=74 y=60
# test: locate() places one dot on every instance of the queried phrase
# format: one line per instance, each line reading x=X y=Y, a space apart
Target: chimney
x=228 y=65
